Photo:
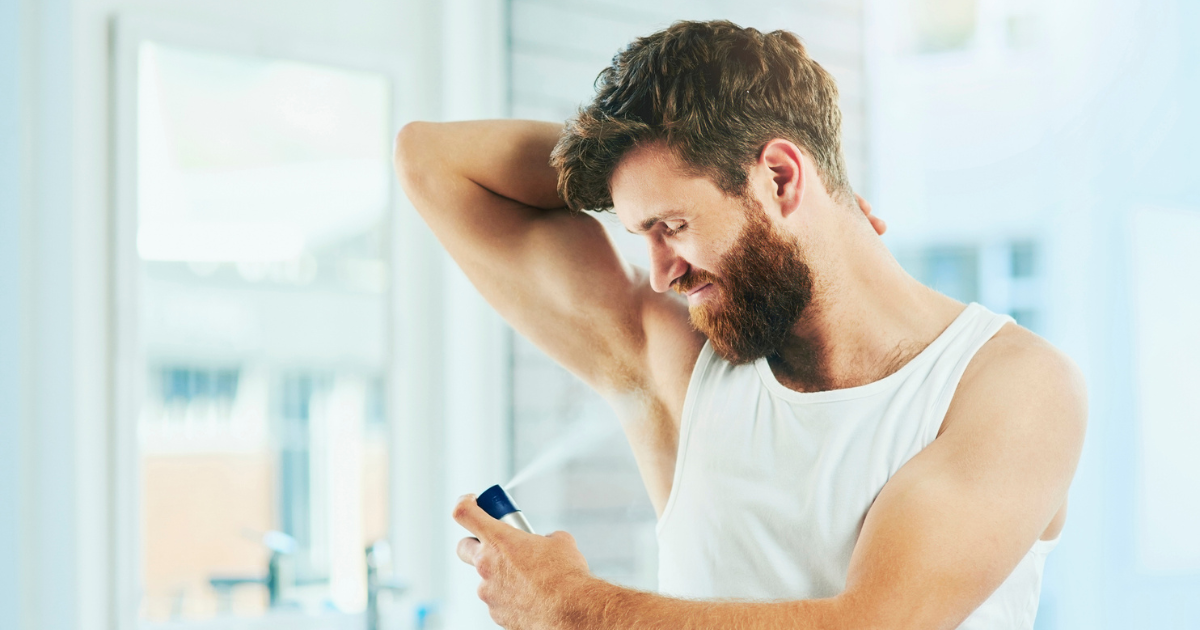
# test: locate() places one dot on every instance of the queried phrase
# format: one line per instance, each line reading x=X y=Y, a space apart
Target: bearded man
x=827 y=442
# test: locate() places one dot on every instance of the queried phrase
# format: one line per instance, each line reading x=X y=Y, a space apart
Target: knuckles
x=487 y=594
x=483 y=565
x=510 y=584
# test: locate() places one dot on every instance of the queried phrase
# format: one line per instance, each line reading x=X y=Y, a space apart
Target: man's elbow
x=408 y=148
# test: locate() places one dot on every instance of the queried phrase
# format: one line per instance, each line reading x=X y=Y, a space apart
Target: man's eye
x=674 y=228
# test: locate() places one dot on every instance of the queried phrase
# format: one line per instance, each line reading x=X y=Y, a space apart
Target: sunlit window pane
x=942 y=25
x=262 y=194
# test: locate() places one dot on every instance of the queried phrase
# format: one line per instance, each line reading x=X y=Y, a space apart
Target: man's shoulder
x=1021 y=381
x=1017 y=357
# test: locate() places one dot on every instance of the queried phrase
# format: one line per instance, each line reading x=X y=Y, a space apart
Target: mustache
x=693 y=278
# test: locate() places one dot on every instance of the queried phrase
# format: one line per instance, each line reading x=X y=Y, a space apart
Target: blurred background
x=241 y=386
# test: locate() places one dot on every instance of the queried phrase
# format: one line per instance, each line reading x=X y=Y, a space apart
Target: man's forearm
x=603 y=606
x=508 y=157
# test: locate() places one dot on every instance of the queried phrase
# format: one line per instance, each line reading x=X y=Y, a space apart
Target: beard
x=762 y=287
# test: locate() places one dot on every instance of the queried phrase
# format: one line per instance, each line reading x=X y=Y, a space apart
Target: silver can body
x=516 y=519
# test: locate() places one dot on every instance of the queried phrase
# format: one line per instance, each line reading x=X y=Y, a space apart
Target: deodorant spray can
x=496 y=502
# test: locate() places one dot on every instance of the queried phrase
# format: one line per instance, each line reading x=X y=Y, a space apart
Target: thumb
x=472 y=517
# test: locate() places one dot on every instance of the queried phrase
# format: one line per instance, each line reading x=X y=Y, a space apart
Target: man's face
x=746 y=282
x=762 y=286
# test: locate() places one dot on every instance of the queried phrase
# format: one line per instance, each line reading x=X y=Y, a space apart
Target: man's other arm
x=946 y=530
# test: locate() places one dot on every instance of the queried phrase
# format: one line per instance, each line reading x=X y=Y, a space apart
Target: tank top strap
x=978 y=326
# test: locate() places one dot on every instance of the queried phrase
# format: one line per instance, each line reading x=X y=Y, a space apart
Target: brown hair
x=716 y=93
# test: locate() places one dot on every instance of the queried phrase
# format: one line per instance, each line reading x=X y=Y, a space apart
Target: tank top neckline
x=934 y=349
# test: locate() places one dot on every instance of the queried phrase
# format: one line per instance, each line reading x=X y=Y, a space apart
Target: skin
x=946 y=529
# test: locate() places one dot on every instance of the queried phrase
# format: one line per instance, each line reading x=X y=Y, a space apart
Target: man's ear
x=785 y=161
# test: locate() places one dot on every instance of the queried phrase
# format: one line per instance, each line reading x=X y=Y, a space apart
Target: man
x=828 y=443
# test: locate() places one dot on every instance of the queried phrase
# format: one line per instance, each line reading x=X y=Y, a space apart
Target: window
x=262 y=194
x=944 y=25
x=1003 y=276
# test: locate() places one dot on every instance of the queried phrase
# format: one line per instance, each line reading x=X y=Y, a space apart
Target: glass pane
x=1024 y=259
x=952 y=270
x=262 y=194
x=944 y=25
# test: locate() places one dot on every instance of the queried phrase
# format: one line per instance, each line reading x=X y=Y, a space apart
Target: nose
x=665 y=265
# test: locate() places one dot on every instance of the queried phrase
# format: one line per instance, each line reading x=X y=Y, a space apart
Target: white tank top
x=772 y=485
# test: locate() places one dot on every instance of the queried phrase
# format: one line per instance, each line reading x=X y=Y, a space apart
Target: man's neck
x=868 y=318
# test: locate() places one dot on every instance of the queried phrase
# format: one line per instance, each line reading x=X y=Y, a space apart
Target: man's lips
x=698 y=294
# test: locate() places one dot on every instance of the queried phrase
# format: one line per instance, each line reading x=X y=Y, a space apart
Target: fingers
x=487 y=529
x=878 y=224
x=467 y=550
x=863 y=204
x=563 y=536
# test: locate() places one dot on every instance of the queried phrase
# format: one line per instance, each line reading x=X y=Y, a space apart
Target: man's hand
x=526 y=579
x=876 y=222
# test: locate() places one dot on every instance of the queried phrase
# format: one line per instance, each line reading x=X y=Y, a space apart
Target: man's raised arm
x=487 y=190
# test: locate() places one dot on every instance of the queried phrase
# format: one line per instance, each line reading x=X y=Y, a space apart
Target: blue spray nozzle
x=496 y=502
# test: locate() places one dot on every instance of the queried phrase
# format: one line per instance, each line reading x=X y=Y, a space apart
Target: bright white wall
x=40 y=435
x=1167 y=362
x=12 y=226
